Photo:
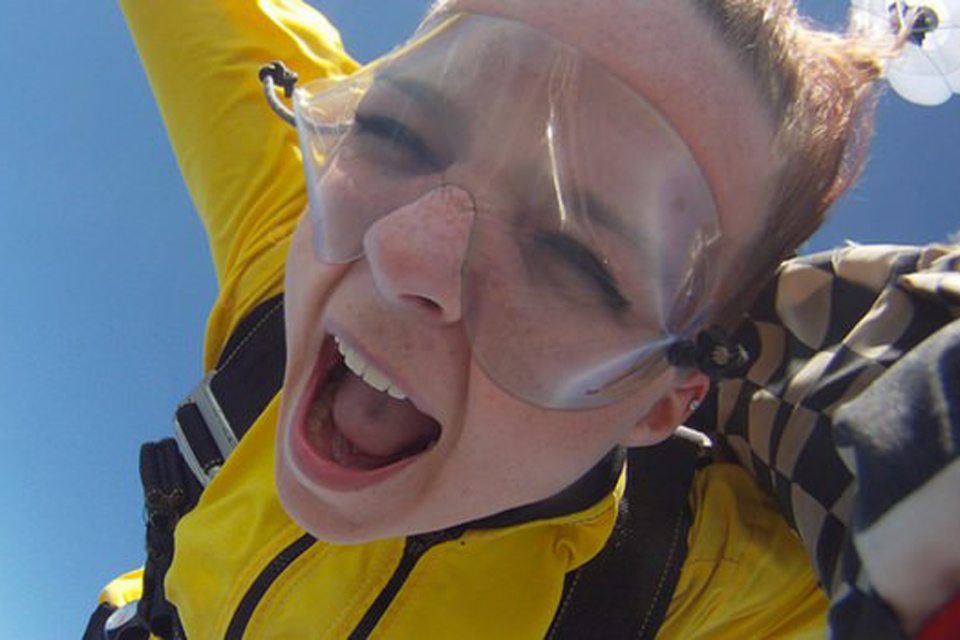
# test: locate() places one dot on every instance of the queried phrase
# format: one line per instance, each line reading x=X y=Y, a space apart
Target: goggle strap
x=275 y=75
x=713 y=352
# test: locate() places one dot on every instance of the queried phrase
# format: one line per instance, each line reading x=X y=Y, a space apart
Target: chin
x=354 y=516
x=325 y=521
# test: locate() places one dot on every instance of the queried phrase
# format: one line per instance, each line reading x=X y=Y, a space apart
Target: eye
x=389 y=141
x=585 y=264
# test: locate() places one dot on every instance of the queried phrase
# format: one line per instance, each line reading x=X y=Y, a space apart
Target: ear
x=668 y=413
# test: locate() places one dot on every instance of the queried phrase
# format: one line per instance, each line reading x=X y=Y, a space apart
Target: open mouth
x=358 y=419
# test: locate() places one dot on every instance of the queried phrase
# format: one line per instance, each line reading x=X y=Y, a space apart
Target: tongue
x=377 y=424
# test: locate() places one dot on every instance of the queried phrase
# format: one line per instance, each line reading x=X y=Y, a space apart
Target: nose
x=416 y=253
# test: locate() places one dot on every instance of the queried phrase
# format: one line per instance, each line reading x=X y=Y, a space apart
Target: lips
x=388 y=434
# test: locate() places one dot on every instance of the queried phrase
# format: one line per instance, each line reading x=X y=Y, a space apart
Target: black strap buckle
x=203 y=432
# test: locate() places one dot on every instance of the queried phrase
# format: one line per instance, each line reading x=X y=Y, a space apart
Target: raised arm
x=241 y=163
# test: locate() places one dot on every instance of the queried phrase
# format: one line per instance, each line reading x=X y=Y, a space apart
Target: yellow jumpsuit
x=746 y=576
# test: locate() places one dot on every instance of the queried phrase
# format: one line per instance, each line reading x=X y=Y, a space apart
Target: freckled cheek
x=301 y=258
x=308 y=284
x=533 y=449
x=307 y=279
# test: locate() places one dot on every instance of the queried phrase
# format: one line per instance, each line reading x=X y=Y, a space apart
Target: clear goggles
x=591 y=222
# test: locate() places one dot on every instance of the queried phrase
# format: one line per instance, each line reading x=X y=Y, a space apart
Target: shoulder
x=746 y=574
x=733 y=519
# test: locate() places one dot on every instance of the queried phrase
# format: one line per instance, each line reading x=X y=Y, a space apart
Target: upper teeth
x=367 y=372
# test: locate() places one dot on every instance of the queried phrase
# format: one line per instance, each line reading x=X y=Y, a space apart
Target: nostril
x=425 y=304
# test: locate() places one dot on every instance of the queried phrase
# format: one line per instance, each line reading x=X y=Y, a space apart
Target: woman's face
x=389 y=423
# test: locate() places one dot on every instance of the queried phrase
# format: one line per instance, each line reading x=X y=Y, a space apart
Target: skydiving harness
x=623 y=592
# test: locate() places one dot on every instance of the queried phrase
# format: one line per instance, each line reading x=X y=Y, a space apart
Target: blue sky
x=106 y=281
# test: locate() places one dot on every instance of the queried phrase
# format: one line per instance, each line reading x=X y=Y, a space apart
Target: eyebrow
x=529 y=181
x=427 y=97
x=596 y=210
x=585 y=202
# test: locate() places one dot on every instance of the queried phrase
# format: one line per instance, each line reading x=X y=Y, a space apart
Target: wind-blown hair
x=821 y=88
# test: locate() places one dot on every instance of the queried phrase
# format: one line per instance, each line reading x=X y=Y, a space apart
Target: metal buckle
x=123 y=622
x=217 y=425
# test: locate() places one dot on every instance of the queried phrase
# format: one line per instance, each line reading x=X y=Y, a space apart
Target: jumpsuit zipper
x=260 y=586
x=414 y=548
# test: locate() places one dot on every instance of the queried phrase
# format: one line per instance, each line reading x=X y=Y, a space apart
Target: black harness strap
x=208 y=425
x=250 y=370
x=221 y=409
x=169 y=493
x=626 y=589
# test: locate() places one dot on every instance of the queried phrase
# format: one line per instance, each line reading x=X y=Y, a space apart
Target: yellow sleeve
x=746 y=575
x=126 y=588
x=241 y=163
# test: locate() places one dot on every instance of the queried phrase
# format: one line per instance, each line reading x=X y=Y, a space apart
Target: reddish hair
x=820 y=87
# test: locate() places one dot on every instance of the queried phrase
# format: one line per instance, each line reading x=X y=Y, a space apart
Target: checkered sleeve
x=848 y=414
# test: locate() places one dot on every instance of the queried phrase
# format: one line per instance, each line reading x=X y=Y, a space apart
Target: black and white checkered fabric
x=807 y=416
